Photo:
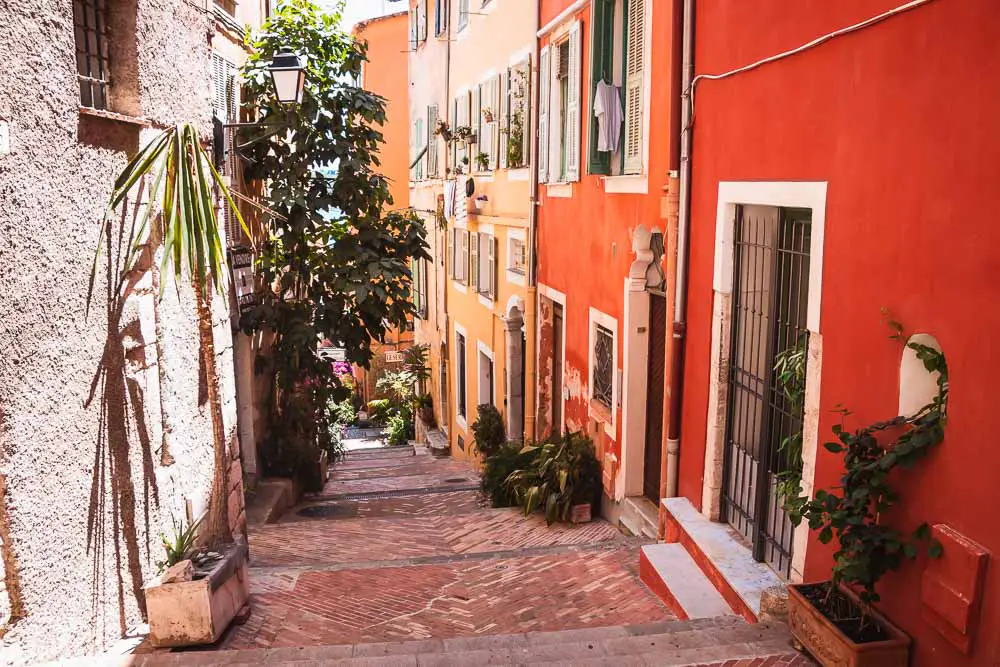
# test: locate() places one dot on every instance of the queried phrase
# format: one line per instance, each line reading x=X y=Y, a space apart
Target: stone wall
x=84 y=413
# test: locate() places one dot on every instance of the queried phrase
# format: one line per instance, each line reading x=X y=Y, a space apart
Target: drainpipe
x=444 y=245
x=680 y=278
x=531 y=293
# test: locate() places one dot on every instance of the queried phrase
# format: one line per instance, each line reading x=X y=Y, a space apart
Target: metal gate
x=763 y=426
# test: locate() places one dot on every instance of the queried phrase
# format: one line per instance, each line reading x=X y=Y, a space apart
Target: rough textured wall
x=86 y=498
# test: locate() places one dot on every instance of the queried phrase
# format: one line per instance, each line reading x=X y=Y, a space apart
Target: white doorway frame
x=789 y=194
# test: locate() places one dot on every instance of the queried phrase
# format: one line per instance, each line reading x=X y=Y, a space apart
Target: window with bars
x=604 y=366
x=93 y=52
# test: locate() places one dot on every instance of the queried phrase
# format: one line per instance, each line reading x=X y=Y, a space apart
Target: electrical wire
x=913 y=4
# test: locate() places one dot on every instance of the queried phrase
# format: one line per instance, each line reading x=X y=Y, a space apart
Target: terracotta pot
x=832 y=648
x=580 y=513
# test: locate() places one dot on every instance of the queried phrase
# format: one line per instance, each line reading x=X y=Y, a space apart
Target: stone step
x=668 y=643
x=722 y=557
x=639 y=517
x=670 y=572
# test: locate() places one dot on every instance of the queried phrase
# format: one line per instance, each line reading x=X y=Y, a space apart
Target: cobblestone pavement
x=429 y=562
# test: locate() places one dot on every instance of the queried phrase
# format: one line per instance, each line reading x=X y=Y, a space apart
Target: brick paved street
x=432 y=563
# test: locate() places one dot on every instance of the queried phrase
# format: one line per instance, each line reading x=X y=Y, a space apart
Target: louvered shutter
x=504 y=119
x=474 y=262
x=413 y=28
x=477 y=126
x=432 y=141
x=635 y=52
x=419 y=147
x=601 y=66
x=454 y=124
x=493 y=267
x=465 y=257
x=543 y=115
x=422 y=21
x=451 y=251
x=572 y=138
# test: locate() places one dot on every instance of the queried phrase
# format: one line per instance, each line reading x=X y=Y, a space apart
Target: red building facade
x=605 y=236
x=826 y=186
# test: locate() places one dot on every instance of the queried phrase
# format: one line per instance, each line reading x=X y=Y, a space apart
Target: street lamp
x=288 y=74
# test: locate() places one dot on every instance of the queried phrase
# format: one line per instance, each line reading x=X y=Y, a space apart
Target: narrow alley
x=397 y=562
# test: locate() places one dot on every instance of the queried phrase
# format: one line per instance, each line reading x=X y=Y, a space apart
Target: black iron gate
x=764 y=425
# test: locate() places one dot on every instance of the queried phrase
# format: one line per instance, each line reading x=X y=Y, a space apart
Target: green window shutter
x=419 y=168
x=454 y=145
x=432 y=141
x=602 y=58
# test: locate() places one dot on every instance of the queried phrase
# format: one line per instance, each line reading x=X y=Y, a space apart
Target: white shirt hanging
x=608 y=110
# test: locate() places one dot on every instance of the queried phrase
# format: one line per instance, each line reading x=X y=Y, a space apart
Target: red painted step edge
x=649 y=576
x=674 y=532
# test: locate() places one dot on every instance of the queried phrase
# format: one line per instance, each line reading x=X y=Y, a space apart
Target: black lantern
x=288 y=74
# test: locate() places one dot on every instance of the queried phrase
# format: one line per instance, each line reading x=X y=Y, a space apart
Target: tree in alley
x=335 y=263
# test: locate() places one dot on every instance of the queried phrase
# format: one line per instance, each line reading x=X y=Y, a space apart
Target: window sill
x=518 y=174
x=515 y=277
x=486 y=301
x=459 y=287
x=116 y=117
x=636 y=184
x=559 y=190
x=604 y=415
x=483 y=176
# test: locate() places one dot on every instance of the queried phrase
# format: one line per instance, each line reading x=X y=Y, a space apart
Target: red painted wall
x=901 y=121
x=584 y=243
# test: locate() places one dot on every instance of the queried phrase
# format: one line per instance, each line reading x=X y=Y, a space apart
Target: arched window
x=917 y=386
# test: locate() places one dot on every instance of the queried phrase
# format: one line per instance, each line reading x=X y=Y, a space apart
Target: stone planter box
x=189 y=613
x=829 y=646
x=580 y=513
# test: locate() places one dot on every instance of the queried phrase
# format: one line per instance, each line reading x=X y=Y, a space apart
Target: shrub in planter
x=497 y=467
x=560 y=475
x=378 y=411
x=488 y=430
x=828 y=619
x=425 y=409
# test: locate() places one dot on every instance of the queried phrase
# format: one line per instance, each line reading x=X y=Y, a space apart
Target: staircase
x=694 y=642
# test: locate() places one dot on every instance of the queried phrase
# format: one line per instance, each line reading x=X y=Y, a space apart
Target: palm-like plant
x=180 y=181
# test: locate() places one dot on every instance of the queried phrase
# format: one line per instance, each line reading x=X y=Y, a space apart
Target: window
x=229 y=6
x=417 y=150
x=513 y=95
x=225 y=103
x=441 y=9
x=487 y=266
x=463 y=13
x=559 y=110
x=443 y=390
x=420 y=287
x=418 y=24
x=516 y=260
x=618 y=57
x=460 y=403
x=474 y=272
x=460 y=111
x=603 y=366
x=432 y=141
x=486 y=376
x=458 y=246
x=93 y=64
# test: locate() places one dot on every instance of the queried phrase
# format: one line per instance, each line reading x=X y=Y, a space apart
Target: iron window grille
x=603 y=380
x=93 y=62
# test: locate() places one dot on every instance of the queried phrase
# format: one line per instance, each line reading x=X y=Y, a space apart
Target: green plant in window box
x=482 y=161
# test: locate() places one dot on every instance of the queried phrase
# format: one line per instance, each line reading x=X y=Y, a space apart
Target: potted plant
x=482 y=161
x=835 y=620
x=487 y=115
x=480 y=202
x=199 y=591
x=488 y=430
x=442 y=130
x=562 y=475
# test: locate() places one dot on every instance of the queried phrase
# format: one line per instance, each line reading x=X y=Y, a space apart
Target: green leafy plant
x=181 y=543
x=497 y=468
x=378 y=411
x=425 y=408
x=180 y=180
x=850 y=513
x=488 y=430
x=561 y=474
x=482 y=161
x=335 y=263
x=399 y=429
x=790 y=376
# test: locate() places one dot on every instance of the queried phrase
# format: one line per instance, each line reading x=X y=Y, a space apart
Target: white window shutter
x=451 y=251
x=495 y=103
x=493 y=267
x=634 y=66
x=504 y=118
x=474 y=272
x=544 y=83
x=573 y=105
